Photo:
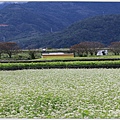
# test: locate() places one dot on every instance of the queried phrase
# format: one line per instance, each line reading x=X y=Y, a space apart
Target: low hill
x=104 y=29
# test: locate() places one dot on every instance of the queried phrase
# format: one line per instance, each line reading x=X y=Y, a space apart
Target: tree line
x=82 y=49
x=85 y=48
x=11 y=48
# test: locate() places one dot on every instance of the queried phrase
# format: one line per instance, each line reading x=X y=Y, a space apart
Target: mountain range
x=58 y=24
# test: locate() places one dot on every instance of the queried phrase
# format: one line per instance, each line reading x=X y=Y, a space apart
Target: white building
x=102 y=52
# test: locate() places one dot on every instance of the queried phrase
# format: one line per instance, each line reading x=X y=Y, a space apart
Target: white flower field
x=60 y=93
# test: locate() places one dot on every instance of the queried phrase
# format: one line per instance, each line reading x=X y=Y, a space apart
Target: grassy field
x=60 y=93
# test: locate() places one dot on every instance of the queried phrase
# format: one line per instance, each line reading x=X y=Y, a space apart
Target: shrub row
x=48 y=65
x=60 y=60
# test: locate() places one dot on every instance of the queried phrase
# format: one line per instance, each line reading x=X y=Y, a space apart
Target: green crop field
x=60 y=93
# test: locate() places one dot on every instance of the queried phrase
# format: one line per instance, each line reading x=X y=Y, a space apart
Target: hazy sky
x=12 y=2
x=1 y=2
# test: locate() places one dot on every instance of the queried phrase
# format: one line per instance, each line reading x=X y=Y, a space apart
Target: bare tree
x=10 y=48
x=115 y=47
x=93 y=47
x=77 y=49
x=87 y=47
x=1 y=48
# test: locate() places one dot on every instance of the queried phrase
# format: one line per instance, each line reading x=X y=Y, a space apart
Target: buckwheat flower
x=13 y=112
x=21 y=108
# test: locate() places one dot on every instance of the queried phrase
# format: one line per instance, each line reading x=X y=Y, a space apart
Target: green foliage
x=30 y=24
x=22 y=55
x=104 y=29
x=74 y=64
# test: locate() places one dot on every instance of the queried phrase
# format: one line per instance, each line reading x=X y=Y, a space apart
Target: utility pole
x=3 y=38
x=103 y=13
x=51 y=30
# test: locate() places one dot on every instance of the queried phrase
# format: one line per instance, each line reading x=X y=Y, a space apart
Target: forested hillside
x=38 y=24
x=105 y=29
x=2 y=4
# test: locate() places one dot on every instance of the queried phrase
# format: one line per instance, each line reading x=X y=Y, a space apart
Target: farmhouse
x=57 y=55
